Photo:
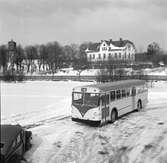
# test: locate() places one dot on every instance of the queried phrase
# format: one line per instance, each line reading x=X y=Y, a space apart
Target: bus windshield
x=86 y=98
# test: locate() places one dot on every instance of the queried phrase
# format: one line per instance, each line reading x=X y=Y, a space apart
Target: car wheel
x=28 y=140
x=113 y=116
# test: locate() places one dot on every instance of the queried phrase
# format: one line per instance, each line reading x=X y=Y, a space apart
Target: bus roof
x=116 y=85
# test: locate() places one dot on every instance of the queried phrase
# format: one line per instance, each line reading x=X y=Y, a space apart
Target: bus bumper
x=91 y=115
x=89 y=122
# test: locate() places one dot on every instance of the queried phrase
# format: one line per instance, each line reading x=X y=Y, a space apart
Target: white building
x=111 y=50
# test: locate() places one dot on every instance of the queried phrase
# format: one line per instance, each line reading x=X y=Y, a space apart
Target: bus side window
x=133 y=91
x=118 y=94
x=107 y=99
x=123 y=93
x=128 y=93
x=103 y=100
x=112 y=95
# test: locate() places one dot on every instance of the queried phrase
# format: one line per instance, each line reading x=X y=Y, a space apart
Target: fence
x=91 y=78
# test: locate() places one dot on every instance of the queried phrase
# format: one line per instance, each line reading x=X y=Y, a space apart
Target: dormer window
x=104 y=48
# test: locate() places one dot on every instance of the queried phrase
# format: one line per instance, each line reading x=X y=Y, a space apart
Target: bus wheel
x=113 y=116
x=139 y=105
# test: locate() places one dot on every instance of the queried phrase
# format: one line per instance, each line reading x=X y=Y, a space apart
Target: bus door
x=133 y=98
x=105 y=108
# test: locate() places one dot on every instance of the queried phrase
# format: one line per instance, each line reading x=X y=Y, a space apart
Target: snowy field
x=31 y=102
x=44 y=108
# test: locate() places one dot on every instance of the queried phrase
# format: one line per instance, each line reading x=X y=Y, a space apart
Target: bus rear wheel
x=139 y=105
x=113 y=116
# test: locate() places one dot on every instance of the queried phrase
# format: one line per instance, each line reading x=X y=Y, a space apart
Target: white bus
x=105 y=102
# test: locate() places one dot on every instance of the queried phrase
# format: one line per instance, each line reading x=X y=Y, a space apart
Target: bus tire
x=73 y=119
x=139 y=105
x=113 y=115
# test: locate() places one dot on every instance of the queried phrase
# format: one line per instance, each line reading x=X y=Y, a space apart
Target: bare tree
x=3 y=57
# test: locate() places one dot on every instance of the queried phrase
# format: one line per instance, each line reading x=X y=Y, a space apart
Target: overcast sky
x=75 y=21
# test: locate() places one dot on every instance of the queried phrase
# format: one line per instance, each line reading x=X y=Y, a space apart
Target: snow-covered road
x=139 y=137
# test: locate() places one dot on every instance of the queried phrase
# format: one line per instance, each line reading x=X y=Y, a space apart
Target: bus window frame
x=112 y=99
x=123 y=93
x=117 y=94
x=128 y=92
x=103 y=100
x=134 y=91
x=107 y=98
x=83 y=97
x=74 y=101
x=91 y=93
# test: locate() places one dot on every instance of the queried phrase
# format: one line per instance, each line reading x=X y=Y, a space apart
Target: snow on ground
x=92 y=72
x=32 y=102
x=162 y=71
x=139 y=137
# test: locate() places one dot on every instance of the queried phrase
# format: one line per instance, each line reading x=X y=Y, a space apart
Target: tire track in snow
x=114 y=142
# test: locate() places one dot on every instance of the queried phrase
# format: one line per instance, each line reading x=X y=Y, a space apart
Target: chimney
x=121 y=39
x=110 y=40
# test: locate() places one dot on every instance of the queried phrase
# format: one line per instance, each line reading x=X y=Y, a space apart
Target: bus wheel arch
x=114 y=115
x=139 y=105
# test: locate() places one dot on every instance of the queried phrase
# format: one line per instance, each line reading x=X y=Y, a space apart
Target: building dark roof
x=94 y=46
x=8 y=134
x=116 y=85
x=119 y=43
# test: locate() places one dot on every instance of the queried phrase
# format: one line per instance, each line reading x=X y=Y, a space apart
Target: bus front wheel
x=113 y=116
x=139 y=105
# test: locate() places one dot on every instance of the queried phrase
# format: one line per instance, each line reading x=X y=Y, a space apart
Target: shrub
x=10 y=75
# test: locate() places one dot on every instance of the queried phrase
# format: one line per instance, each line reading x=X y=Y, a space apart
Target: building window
x=109 y=55
x=129 y=55
x=104 y=56
x=90 y=57
x=99 y=56
x=115 y=55
x=125 y=55
x=120 y=55
x=93 y=56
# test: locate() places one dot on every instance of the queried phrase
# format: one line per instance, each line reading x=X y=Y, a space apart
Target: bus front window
x=91 y=99
x=77 y=98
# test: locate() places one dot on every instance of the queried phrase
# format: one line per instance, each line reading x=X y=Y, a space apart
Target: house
x=121 y=50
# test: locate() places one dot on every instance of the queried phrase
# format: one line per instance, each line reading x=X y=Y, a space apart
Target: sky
x=75 y=21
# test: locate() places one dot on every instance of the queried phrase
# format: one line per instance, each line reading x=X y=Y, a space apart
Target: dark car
x=15 y=141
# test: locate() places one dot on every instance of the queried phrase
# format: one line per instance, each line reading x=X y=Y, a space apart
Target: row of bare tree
x=52 y=54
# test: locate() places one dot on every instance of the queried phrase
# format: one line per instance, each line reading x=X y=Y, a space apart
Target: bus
x=106 y=102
